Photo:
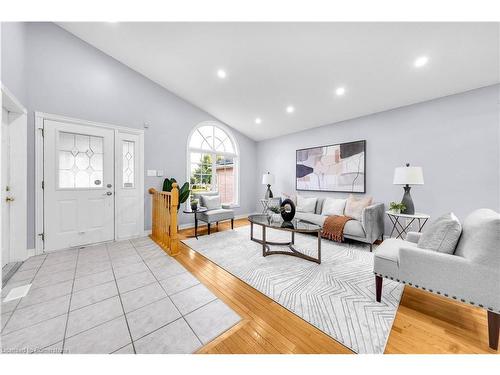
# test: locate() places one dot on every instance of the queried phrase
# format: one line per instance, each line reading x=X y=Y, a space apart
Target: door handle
x=108 y=193
x=9 y=199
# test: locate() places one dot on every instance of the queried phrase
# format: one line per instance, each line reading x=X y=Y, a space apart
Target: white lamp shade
x=267 y=179
x=408 y=176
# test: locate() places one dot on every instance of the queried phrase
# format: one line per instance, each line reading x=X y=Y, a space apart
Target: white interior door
x=129 y=186
x=13 y=181
x=6 y=198
x=78 y=184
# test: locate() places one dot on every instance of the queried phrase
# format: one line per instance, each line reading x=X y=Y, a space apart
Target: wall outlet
x=151 y=173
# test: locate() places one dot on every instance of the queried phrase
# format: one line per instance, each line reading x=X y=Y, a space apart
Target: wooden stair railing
x=164 y=225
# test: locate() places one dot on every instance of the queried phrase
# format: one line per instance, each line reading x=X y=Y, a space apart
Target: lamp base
x=269 y=193
x=407 y=201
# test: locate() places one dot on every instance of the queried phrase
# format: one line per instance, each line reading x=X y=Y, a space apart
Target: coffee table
x=294 y=226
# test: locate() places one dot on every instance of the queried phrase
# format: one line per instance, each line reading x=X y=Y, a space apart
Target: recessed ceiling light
x=221 y=74
x=258 y=120
x=340 y=91
x=421 y=61
x=290 y=109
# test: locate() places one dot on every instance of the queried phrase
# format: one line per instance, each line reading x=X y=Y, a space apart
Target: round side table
x=402 y=228
x=194 y=212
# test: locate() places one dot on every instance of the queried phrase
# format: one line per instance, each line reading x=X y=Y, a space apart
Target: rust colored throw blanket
x=333 y=229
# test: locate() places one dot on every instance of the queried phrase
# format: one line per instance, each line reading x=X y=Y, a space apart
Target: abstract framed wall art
x=339 y=168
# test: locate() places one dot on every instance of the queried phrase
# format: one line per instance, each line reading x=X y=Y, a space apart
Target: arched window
x=213 y=161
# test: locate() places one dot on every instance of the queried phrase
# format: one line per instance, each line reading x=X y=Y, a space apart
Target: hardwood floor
x=425 y=323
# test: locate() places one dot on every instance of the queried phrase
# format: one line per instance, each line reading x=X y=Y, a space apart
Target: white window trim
x=235 y=155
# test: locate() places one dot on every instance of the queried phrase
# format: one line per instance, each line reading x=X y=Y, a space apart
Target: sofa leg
x=371 y=247
x=378 y=287
x=493 y=329
x=232 y=223
x=208 y=228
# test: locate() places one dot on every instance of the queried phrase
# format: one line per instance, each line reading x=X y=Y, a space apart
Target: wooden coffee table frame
x=266 y=250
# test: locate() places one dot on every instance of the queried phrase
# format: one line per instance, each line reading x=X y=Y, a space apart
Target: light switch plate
x=151 y=173
x=159 y=173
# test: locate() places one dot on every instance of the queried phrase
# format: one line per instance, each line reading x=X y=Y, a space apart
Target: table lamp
x=268 y=179
x=408 y=176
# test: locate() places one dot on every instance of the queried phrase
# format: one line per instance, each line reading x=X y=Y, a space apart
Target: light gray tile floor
x=122 y=297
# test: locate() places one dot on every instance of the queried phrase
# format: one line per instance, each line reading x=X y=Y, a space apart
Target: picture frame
x=339 y=167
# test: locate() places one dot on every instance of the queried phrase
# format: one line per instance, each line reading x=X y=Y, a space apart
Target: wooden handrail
x=164 y=219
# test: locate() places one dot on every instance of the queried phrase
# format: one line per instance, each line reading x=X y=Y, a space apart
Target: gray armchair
x=470 y=275
x=213 y=214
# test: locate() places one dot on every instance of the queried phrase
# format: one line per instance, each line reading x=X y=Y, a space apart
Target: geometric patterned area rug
x=336 y=296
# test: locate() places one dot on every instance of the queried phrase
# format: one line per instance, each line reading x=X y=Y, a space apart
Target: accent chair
x=471 y=274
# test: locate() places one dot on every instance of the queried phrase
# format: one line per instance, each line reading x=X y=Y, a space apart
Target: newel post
x=174 y=238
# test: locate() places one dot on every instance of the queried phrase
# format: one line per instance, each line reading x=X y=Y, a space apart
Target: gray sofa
x=368 y=230
x=470 y=275
x=214 y=215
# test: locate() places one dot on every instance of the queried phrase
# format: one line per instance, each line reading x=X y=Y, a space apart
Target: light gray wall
x=13 y=58
x=66 y=76
x=455 y=139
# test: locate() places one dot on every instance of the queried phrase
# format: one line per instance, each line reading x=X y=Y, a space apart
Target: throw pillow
x=442 y=234
x=354 y=206
x=306 y=204
x=333 y=206
x=211 y=202
x=292 y=197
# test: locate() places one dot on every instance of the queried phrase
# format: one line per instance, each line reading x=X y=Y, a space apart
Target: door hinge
x=43 y=184
x=42 y=235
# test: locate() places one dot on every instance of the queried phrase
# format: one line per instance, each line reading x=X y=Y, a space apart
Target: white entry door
x=78 y=184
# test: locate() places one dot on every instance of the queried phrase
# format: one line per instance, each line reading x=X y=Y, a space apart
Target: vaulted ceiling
x=271 y=66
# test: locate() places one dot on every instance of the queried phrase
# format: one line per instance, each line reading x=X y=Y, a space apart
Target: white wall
x=455 y=139
x=66 y=76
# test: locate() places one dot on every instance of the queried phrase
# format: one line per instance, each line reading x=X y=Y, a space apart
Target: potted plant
x=183 y=190
x=275 y=213
x=194 y=204
x=396 y=208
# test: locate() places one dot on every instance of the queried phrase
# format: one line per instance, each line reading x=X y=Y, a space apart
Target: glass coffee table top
x=294 y=226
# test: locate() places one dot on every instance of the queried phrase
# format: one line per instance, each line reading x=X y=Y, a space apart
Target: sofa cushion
x=319 y=205
x=216 y=215
x=354 y=206
x=442 y=234
x=211 y=202
x=311 y=218
x=480 y=238
x=386 y=261
x=306 y=204
x=333 y=206
x=352 y=227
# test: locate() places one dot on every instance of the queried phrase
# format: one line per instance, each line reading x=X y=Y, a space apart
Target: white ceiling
x=272 y=65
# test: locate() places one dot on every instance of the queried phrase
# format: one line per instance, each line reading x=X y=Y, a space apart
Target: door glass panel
x=80 y=161
x=128 y=162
